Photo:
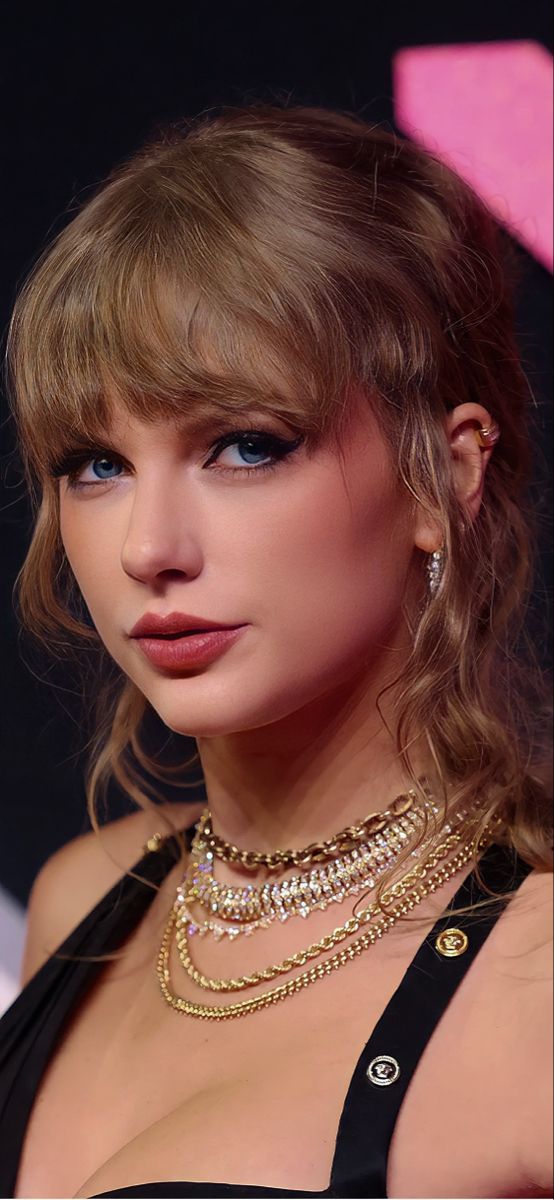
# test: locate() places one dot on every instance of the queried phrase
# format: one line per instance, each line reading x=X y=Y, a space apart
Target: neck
x=307 y=776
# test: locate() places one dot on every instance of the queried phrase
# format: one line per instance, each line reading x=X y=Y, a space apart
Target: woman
x=266 y=384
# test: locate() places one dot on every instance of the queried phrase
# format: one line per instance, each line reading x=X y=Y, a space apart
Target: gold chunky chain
x=316 y=948
x=426 y=884
x=299 y=893
x=316 y=852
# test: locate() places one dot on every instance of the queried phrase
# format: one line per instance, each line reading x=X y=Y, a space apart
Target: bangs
x=174 y=315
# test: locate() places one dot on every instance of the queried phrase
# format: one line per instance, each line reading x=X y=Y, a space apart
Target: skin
x=317 y=557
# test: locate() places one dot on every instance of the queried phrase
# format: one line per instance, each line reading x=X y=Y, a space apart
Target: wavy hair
x=256 y=245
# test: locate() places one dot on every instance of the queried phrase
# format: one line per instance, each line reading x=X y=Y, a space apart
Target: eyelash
x=73 y=462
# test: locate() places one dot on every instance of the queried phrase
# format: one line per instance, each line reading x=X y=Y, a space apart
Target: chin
x=221 y=715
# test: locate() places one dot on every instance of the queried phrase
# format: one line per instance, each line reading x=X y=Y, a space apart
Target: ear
x=470 y=459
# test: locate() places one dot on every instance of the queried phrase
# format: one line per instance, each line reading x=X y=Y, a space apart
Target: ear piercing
x=488 y=435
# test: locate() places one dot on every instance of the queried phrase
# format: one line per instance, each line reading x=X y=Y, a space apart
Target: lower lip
x=194 y=650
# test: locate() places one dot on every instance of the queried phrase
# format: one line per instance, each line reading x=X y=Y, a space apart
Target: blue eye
x=251 y=443
x=110 y=462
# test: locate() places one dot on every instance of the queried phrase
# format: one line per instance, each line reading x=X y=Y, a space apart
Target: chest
x=138 y=1092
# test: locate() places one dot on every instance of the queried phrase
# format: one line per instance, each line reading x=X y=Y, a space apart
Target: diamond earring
x=435 y=567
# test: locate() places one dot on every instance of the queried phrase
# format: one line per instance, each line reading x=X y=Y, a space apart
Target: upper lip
x=173 y=622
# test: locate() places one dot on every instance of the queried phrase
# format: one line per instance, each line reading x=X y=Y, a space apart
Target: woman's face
x=312 y=557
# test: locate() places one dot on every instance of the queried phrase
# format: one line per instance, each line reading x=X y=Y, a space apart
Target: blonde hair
x=277 y=255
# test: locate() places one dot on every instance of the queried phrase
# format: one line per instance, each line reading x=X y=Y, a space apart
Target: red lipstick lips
x=178 y=640
x=172 y=623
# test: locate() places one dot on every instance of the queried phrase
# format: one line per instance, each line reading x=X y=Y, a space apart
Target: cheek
x=339 y=569
x=93 y=559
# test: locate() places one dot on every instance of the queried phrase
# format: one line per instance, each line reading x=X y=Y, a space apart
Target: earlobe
x=428 y=532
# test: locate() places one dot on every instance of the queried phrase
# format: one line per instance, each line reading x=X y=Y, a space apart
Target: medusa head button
x=383 y=1070
x=452 y=942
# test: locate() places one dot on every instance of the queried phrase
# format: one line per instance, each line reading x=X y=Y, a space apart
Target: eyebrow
x=199 y=424
x=193 y=426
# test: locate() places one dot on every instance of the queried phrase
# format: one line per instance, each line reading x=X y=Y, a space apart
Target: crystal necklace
x=421 y=876
x=250 y=908
x=450 y=834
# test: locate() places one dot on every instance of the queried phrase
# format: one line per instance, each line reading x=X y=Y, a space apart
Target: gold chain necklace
x=251 y=907
x=426 y=884
x=355 y=872
x=302 y=956
x=316 y=851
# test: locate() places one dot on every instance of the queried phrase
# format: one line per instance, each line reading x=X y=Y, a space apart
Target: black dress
x=31 y=1026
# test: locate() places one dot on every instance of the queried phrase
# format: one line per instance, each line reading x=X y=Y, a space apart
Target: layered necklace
x=245 y=909
x=352 y=861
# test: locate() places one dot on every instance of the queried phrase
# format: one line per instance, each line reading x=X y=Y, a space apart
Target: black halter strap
x=391 y=1055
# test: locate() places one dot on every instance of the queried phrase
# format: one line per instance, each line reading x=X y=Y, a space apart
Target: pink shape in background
x=486 y=110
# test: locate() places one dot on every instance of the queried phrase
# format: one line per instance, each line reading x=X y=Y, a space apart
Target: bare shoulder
x=523 y=945
x=528 y=1020
x=529 y=924
x=76 y=877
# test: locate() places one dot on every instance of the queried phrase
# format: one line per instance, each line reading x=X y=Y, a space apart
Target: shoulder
x=76 y=877
x=529 y=923
x=527 y=968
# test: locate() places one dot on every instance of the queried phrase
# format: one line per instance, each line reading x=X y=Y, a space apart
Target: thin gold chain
x=242 y=1008
x=346 y=839
x=316 y=948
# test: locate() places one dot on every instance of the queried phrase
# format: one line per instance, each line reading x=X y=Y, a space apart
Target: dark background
x=81 y=88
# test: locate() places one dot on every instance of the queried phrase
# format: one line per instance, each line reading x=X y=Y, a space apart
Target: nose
x=162 y=533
